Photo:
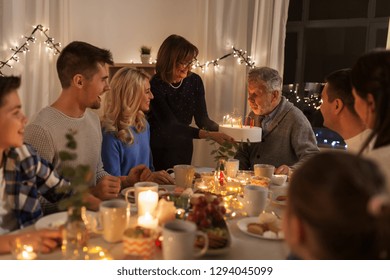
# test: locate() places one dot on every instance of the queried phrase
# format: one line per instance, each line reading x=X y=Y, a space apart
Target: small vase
x=145 y=58
x=75 y=234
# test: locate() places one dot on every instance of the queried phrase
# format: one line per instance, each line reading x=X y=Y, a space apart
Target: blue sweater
x=118 y=158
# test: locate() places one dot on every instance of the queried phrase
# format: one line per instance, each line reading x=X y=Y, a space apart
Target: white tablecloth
x=243 y=246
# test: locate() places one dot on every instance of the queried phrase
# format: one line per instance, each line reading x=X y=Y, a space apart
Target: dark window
x=323 y=36
x=337 y=9
x=328 y=49
x=295 y=10
x=382 y=8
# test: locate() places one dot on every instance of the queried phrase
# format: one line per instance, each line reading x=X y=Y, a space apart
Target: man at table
x=83 y=72
x=287 y=136
x=338 y=110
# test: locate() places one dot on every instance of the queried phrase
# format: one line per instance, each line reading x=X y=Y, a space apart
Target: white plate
x=216 y=252
x=277 y=202
x=221 y=251
x=224 y=250
x=243 y=224
x=276 y=191
x=53 y=221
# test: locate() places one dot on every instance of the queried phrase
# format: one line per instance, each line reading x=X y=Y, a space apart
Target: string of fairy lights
x=242 y=58
x=311 y=101
x=25 y=47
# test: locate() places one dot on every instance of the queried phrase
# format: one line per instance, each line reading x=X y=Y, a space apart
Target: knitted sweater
x=289 y=140
x=46 y=133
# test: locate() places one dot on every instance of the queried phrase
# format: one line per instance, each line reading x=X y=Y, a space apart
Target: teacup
x=279 y=193
x=279 y=179
x=254 y=200
x=141 y=187
x=179 y=238
x=264 y=170
x=232 y=166
x=113 y=219
x=184 y=175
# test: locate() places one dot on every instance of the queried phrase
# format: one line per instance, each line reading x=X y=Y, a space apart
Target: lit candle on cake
x=233 y=126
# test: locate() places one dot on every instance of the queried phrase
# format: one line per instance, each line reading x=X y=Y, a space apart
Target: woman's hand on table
x=138 y=173
x=162 y=177
x=141 y=173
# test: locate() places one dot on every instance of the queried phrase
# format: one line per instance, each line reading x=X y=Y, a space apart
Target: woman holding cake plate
x=178 y=97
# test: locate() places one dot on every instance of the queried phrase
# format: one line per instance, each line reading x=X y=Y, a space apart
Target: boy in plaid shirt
x=24 y=175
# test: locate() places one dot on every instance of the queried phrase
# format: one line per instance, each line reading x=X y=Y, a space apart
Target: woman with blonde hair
x=126 y=133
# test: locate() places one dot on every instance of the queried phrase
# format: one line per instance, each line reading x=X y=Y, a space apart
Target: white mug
x=254 y=200
x=184 y=175
x=264 y=170
x=141 y=187
x=179 y=238
x=232 y=166
x=113 y=219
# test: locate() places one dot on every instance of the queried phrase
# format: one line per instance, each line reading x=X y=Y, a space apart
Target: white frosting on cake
x=242 y=133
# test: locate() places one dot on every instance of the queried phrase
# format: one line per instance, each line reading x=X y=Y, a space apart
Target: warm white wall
x=124 y=25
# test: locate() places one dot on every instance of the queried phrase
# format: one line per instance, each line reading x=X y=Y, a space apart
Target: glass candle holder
x=26 y=247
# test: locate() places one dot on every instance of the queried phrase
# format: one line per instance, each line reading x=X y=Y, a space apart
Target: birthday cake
x=242 y=133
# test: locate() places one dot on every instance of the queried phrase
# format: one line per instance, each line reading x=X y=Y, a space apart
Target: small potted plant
x=145 y=54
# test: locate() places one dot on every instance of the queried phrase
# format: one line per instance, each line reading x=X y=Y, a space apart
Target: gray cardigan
x=290 y=140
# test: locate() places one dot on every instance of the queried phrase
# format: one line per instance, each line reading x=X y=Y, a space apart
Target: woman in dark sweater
x=178 y=98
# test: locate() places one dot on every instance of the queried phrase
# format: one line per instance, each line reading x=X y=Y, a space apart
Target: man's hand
x=107 y=188
x=283 y=169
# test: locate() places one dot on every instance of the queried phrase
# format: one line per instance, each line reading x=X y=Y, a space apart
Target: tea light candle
x=147 y=202
x=27 y=253
x=147 y=221
x=97 y=253
x=201 y=185
x=233 y=186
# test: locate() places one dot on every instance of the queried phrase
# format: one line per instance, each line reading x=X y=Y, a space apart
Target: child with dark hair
x=342 y=213
x=24 y=175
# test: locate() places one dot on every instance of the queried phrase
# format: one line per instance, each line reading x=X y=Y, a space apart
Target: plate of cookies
x=266 y=226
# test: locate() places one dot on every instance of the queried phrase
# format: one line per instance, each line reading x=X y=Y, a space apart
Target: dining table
x=242 y=246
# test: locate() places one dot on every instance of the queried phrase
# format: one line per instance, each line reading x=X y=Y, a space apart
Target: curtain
x=258 y=26
x=269 y=32
x=40 y=85
x=388 y=37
